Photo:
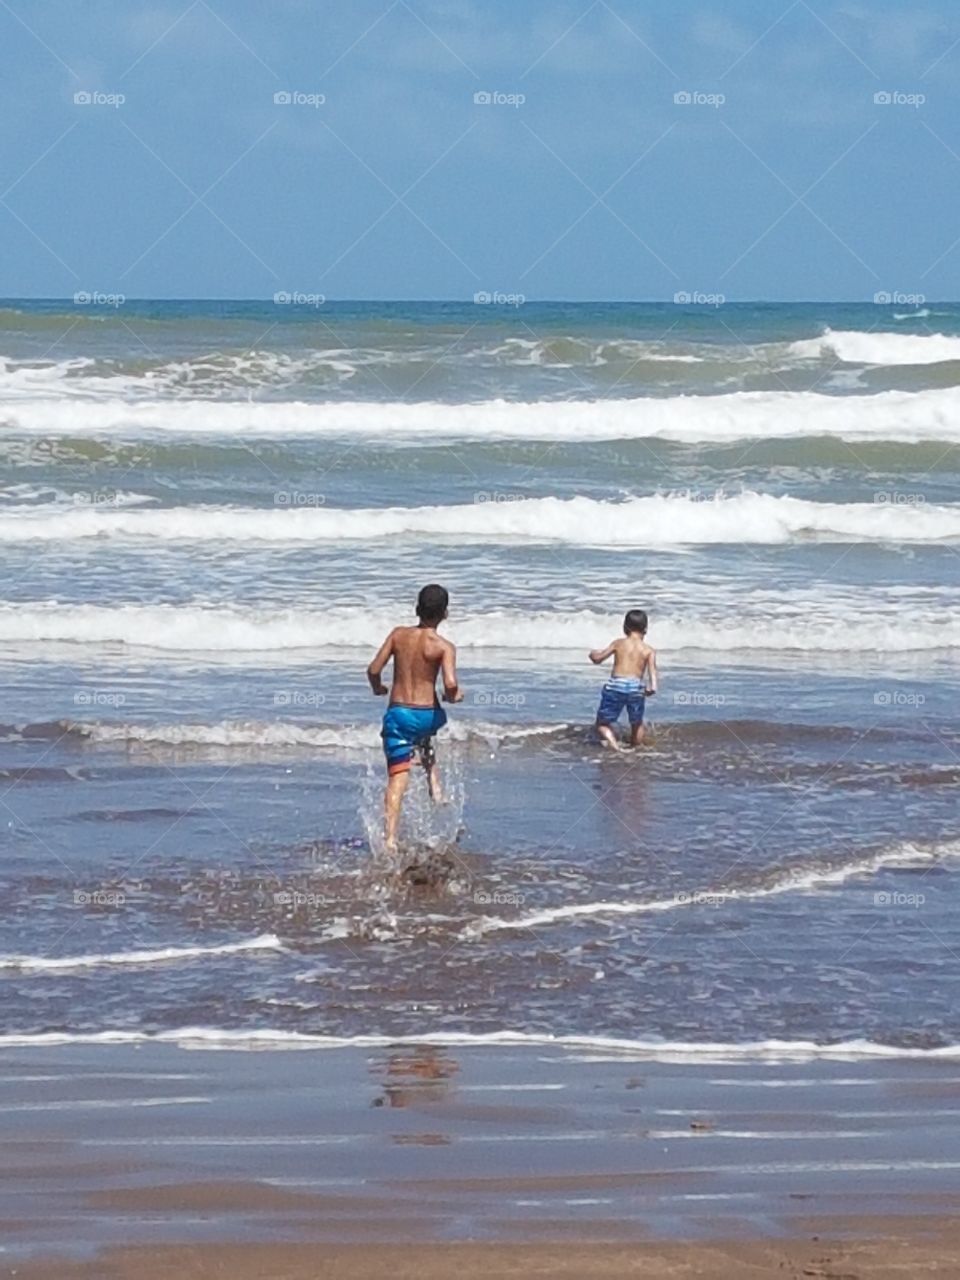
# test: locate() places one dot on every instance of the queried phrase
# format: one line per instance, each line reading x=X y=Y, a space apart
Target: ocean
x=212 y=512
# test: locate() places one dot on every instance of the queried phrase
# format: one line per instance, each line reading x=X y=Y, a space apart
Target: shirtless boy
x=414 y=715
x=634 y=679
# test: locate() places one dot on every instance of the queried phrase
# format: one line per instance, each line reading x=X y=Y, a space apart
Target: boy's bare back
x=631 y=656
x=419 y=656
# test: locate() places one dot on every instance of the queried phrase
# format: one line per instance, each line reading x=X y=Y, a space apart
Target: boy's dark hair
x=636 y=620
x=432 y=603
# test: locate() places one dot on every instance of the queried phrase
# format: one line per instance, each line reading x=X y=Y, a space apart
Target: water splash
x=424 y=825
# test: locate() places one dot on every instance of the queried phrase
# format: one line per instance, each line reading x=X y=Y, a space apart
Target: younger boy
x=414 y=715
x=634 y=679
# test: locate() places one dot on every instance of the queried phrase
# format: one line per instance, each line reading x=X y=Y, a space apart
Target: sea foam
x=159 y=955
x=890 y=415
x=235 y=629
x=659 y=520
x=854 y=347
x=797 y=879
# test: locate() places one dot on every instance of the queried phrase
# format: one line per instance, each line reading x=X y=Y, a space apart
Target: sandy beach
x=892 y=1252
x=160 y=1160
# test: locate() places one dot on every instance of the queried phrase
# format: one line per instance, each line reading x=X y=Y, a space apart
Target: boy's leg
x=392 y=804
x=398 y=751
x=428 y=758
x=433 y=782
x=608 y=713
x=635 y=709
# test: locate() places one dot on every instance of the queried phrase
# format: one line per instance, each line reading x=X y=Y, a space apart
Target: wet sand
x=900 y=1252
x=158 y=1161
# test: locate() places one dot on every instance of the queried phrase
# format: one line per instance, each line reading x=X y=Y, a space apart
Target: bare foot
x=608 y=738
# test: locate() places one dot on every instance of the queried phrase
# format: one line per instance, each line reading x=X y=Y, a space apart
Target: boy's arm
x=384 y=654
x=448 y=670
x=601 y=655
x=651 y=674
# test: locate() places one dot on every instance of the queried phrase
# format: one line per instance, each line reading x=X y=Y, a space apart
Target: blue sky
x=783 y=177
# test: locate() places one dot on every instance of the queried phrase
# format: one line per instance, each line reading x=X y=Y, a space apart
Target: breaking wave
x=889 y=415
x=661 y=520
x=854 y=347
x=231 y=629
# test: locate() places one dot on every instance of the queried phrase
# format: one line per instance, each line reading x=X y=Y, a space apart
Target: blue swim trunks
x=405 y=729
x=620 y=692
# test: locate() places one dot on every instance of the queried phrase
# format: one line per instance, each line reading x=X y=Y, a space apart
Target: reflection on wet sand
x=416 y=1076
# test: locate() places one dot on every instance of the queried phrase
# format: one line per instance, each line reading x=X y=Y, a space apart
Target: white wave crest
x=661 y=520
x=162 y=955
x=889 y=415
x=795 y=880
x=639 y=1049
x=259 y=734
x=236 y=629
x=854 y=347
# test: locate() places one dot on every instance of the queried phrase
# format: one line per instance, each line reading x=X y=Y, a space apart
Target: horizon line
x=495 y=306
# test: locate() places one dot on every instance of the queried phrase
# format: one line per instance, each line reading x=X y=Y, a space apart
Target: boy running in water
x=634 y=679
x=414 y=715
